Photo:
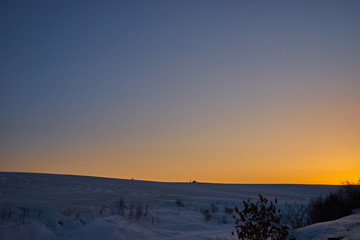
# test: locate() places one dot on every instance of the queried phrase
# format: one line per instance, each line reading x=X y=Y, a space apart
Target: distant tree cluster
x=296 y=215
x=335 y=205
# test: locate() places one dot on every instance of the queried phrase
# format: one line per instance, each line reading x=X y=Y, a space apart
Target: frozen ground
x=48 y=206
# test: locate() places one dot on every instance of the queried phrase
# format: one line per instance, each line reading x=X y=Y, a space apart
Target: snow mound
x=346 y=228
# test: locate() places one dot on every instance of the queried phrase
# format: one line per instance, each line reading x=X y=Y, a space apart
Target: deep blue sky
x=108 y=87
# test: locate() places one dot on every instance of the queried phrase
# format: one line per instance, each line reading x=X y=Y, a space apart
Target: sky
x=213 y=91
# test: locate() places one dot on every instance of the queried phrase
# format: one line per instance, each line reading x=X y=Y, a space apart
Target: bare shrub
x=6 y=213
x=23 y=215
x=131 y=209
x=206 y=213
x=146 y=209
x=329 y=208
x=214 y=208
x=121 y=207
x=350 y=192
x=179 y=203
x=155 y=220
x=259 y=220
x=228 y=210
x=296 y=215
x=72 y=212
x=139 y=210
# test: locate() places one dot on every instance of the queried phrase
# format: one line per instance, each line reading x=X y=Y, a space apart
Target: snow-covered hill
x=49 y=206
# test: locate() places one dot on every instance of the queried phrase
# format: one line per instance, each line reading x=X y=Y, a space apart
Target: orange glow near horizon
x=216 y=91
x=328 y=171
x=262 y=151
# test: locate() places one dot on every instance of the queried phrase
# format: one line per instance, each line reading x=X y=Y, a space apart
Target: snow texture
x=49 y=206
x=346 y=228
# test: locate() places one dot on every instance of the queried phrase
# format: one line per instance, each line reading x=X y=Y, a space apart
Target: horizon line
x=158 y=181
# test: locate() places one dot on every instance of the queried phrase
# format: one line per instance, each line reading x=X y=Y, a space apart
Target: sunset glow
x=213 y=91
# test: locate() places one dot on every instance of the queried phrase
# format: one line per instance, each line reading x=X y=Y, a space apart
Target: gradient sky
x=217 y=91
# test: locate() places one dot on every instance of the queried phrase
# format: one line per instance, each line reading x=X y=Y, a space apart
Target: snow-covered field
x=49 y=206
